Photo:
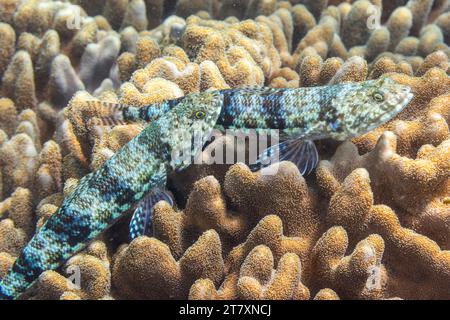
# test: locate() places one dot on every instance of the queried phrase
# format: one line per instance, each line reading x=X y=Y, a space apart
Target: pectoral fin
x=302 y=153
x=142 y=221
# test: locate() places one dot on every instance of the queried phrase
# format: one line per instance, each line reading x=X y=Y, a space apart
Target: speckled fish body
x=103 y=196
x=338 y=111
x=300 y=115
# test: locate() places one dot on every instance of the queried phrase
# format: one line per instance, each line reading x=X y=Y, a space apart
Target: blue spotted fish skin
x=300 y=115
x=98 y=200
x=103 y=196
x=337 y=111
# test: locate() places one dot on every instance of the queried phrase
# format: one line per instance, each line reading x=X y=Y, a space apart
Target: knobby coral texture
x=373 y=220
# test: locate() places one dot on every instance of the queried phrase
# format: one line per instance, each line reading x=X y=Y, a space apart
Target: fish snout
x=402 y=96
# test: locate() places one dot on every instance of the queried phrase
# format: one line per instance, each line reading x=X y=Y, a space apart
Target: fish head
x=190 y=126
x=366 y=106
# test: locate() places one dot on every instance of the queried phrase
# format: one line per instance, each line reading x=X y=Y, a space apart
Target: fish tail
x=116 y=112
x=14 y=284
x=49 y=248
x=12 y=287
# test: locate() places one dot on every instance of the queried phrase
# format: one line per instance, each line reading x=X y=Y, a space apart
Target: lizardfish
x=101 y=197
x=301 y=115
x=137 y=172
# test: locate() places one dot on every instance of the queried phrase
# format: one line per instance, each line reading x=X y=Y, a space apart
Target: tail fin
x=13 y=285
x=112 y=107
x=115 y=112
x=106 y=121
x=130 y=114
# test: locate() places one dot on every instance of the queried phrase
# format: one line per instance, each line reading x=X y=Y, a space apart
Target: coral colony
x=366 y=217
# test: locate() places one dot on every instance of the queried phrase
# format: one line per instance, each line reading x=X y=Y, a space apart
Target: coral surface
x=372 y=222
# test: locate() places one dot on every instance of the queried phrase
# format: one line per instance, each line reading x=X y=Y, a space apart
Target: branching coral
x=17 y=221
x=63 y=82
x=405 y=249
x=97 y=61
x=48 y=174
x=7 y=43
x=18 y=81
x=170 y=226
x=160 y=275
x=87 y=276
x=371 y=223
x=257 y=280
x=395 y=178
x=18 y=162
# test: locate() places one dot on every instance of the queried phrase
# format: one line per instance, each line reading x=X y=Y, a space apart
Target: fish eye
x=199 y=114
x=378 y=96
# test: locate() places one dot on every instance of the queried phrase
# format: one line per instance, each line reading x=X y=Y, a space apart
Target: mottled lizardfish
x=135 y=176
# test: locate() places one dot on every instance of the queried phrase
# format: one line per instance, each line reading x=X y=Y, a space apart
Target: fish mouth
x=407 y=96
x=406 y=92
x=402 y=99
